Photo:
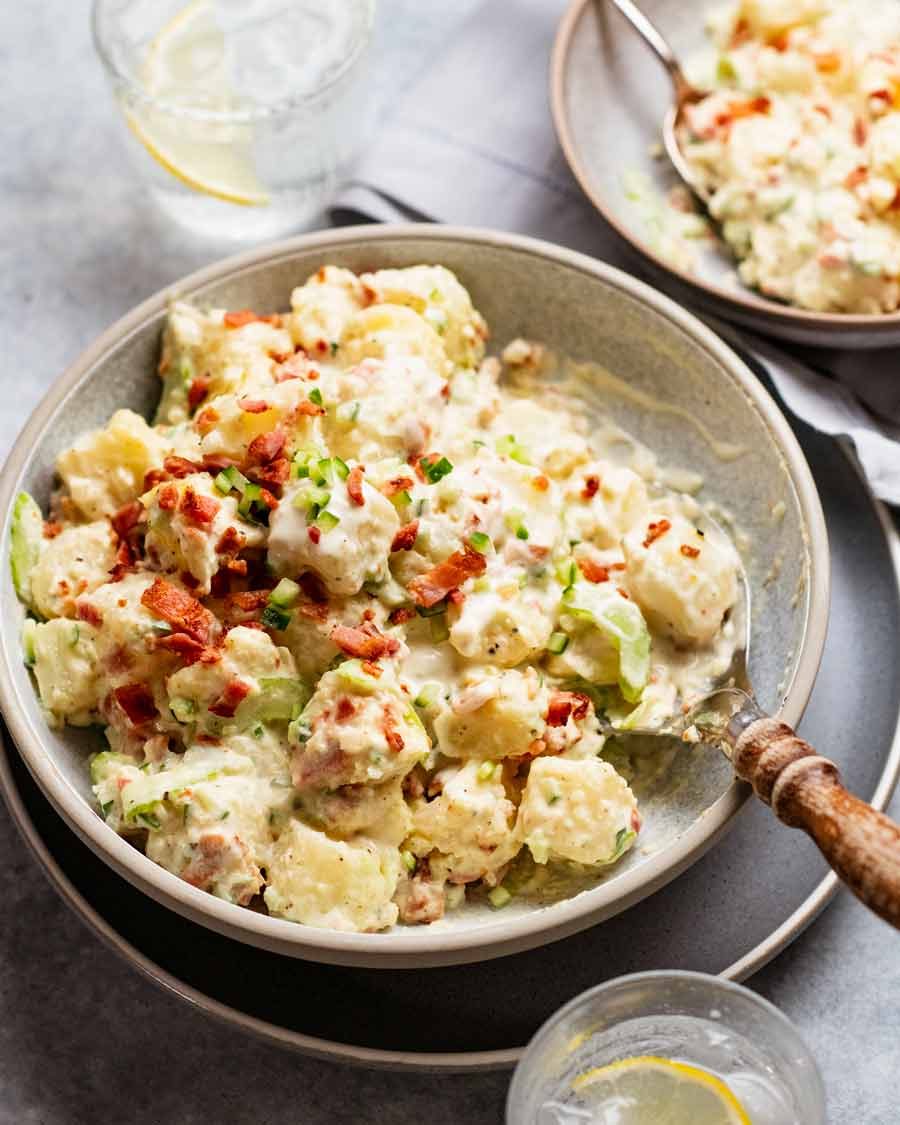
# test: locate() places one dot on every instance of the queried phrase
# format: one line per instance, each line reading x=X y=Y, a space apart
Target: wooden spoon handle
x=805 y=791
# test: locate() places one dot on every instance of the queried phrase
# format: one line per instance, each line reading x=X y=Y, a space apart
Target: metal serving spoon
x=803 y=789
x=684 y=92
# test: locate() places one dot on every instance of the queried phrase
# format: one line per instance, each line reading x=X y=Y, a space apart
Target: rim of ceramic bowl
x=743 y=301
x=426 y=945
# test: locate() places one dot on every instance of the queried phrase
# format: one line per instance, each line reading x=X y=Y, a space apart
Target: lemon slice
x=186 y=65
x=649 y=1089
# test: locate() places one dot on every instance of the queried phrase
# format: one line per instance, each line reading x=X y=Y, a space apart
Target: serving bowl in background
x=609 y=94
x=683 y=393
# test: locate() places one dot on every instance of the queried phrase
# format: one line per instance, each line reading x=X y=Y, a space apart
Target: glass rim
x=710 y=980
x=227 y=117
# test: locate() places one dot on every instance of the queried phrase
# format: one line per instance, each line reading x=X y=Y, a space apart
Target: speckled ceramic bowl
x=703 y=398
x=609 y=94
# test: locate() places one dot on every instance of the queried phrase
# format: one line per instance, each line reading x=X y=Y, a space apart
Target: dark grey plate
x=732 y=911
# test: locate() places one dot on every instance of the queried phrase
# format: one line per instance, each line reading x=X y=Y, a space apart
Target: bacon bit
x=198 y=390
x=187 y=648
x=435 y=584
x=253 y=405
x=345 y=709
x=294 y=367
x=541 y=483
x=537 y=552
x=220 y=583
x=230 y=541
x=313 y=610
x=314 y=588
x=274 y=474
x=127 y=518
x=398 y=484
x=746 y=108
x=894 y=204
x=266 y=447
x=635 y=820
x=183 y=613
x=179 y=467
x=591 y=487
x=309 y=409
x=228 y=702
x=236 y=566
x=366 y=643
x=52 y=528
x=856 y=177
x=824 y=110
x=372 y=669
x=247 y=601
x=655 y=531
x=267 y=498
x=741 y=33
x=593 y=571
x=621 y=590
x=566 y=703
x=457 y=598
x=354 y=485
x=248 y=316
x=167 y=497
x=779 y=42
x=84 y=611
x=536 y=747
x=391 y=733
x=206 y=419
x=190 y=580
x=415 y=460
x=689 y=552
x=400 y=615
x=63 y=586
x=216 y=462
x=137 y=703
x=314 y=533
x=617 y=566
x=370 y=296
x=827 y=62
x=322 y=347
x=860 y=131
x=199 y=510
x=123 y=564
x=406 y=537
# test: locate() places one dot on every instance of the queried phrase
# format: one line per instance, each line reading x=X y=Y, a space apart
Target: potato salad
x=355 y=612
x=799 y=144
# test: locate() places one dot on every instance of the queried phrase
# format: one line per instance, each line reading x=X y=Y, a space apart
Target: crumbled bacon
x=435 y=584
x=230 y=699
x=246 y=601
x=206 y=419
x=84 y=611
x=457 y=598
x=401 y=614
x=827 y=62
x=216 y=462
x=367 y=642
x=52 y=529
x=541 y=483
x=187 y=648
x=247 y=316
x=591 y=486
x=314 y=533
x=565 y=703
x=371 y=668
x=230 y=541
x=856 y=177
x=137 y=702
x=199 y=510
x=179 y=467
x=688 y=551
x=635 y=820
x=746 y=108
x=310 y=409
x=266 y=447
x=167 y=497
x=198 y=390
x=294 y=367
x=860 y=131
x=272 y=475
x=345 y=709
x=392 y=735
x=405 y=538
x=126 y=518
x=179 y=609
x=123 y=564
x=267 y=498
x=655 y=531
x=253 y=405
x=313 y=610
x=593 y=571
x=397 y=484
x=355 y=485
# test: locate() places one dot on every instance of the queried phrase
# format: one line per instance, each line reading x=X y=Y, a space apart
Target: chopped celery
x=281 y=698
x=507 y=446
x=481 y=542
x=102 y=765
x=341 y=468
x=499 y=897
x=513 y=520
x=285 y=593
x=429 y=694
x=409 y=860
x=235 y=477
x=353 y=673
x=486 y=771
x=567 y=572
x=275 y=618
x=223 y=482
x=401 y=499
x=481 y=585
x=558 y=643
x=28 y=627
x=327 y=521
x=26 y=536
x=623 y=625
x=311 y=498
x=435 y=470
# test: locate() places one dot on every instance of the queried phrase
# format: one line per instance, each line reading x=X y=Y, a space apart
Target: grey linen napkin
x=472 y=143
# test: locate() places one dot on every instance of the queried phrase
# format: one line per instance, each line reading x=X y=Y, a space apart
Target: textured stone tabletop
x=83 y=1037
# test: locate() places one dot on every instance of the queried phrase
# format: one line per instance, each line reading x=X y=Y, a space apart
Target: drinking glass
x=243 y=116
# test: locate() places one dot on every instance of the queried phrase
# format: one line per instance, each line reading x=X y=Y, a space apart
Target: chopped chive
x=334 y=347
x=558 y=643
x=436 y=470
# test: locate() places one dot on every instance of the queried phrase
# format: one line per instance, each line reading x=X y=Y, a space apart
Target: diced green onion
x=327 y=521
x=315 y=395
x=513 y=521
x=486 y=771
x=499 y=897
x=334 y=347
x=558 y=643
x=439 y=629
x=567 y=572
x=481 y=542
x=285 y=594
x=251 y=494
x=436 y=470
x=422 y=506
x=340 y=467
x=312 y=498
x=428 y=695
x=223 y=483
x=521 y=531
x=235 y=477
x=409 y=860
x=401 y=499
x=275 y=618
x=507 y=446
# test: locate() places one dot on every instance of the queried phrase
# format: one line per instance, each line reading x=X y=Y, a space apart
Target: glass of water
x=671 y=1047
x=243 y=116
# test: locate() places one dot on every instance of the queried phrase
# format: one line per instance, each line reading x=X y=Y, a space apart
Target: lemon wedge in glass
x=186 y=65
x=648 y=1089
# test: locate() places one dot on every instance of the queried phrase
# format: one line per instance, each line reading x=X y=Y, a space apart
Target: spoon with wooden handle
x=684 y=94
x=802 y=788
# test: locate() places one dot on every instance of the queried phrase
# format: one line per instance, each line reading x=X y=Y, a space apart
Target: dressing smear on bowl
x=349 y=609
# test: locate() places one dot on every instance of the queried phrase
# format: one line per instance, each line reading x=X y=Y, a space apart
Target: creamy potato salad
x=799 y=144
x=351 y=610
